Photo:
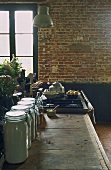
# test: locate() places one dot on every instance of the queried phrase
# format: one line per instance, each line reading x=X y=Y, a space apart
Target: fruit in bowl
x=73 y=94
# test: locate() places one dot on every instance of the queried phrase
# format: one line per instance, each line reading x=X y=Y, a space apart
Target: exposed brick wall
x=78 y=48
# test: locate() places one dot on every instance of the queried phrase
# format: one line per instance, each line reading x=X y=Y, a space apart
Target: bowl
x=51 y=112
x=50 y=95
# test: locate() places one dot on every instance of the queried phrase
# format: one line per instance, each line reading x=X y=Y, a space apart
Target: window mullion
x=35 y=47
x=12 y=33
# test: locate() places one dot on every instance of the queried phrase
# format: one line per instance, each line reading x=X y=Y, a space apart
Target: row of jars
x=20 y=130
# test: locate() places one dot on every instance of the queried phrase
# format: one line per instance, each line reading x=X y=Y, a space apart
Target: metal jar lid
x=20 y=107
x=19 y=93
x=28 y=99
x=15 y=115
x=21 y=102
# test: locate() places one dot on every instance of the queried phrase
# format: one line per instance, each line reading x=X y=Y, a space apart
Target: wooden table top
x=69 y=142
x=66 y=142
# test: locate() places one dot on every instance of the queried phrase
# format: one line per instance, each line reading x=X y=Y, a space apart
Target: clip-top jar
x=26 y=109
x=16 y=137
x=31 y=105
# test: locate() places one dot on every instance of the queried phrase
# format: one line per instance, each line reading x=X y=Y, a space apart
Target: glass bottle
x=39 y=107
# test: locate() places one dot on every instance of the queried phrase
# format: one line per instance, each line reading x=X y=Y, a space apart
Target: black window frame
x=20 y=7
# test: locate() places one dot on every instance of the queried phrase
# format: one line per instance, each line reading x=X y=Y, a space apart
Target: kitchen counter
x=78 y=105
x=70 y=142
x=65 y=141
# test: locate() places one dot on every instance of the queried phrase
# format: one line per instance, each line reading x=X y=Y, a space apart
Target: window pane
x=2 y=59
x=24 y=45
x=27 y=64
x=4 y=21
x=4 y=45
x=23 y=22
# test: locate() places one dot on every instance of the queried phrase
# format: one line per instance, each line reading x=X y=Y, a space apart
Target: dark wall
x=99 y=95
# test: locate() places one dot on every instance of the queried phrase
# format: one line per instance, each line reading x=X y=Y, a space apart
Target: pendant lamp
x=43 y=19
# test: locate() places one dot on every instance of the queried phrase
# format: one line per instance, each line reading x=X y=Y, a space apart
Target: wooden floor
x=104 y=132
x=74 y=150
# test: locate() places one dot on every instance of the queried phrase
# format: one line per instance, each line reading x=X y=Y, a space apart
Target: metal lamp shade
x=43 y=19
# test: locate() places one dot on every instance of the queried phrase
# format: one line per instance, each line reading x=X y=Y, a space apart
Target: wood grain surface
x=65 y=142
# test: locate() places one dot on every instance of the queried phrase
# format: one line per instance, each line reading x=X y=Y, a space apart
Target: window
x=18 y=36
x=4 y=36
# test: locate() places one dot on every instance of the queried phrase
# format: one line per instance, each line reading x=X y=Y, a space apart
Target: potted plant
x=9 y=71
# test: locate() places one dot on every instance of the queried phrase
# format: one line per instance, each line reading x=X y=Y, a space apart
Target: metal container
x=26 y=109
x=16 y=137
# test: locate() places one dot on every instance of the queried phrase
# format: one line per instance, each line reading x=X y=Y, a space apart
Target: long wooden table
x=65 y=142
